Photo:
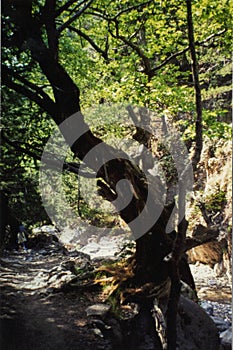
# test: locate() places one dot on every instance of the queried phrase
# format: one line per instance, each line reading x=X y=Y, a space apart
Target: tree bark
x=198 y=137
x=154 y=245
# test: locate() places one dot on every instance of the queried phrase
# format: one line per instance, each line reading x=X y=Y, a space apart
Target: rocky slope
x=212 y=205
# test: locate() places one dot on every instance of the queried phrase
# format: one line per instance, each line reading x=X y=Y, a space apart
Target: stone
x=220 y=323
x=100 y=324
x=42 y=252
x=98 y=310
x=209 y=253
x=98 y=332
x=207 y=307
x=226 y=338
x=195 y=329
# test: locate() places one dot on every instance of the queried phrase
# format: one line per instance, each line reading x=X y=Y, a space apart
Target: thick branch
x=200 y=236
x=50 y=24
x=50 y=161
x=66 y=92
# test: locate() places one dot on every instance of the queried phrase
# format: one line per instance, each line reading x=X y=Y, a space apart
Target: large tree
x=34 y=67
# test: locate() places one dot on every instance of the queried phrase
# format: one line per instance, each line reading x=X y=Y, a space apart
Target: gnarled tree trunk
x=157 y=255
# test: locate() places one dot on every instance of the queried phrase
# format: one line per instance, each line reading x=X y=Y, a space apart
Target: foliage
x=19 y=176
x=216 y=200
x=125 y=52
x=213 y=127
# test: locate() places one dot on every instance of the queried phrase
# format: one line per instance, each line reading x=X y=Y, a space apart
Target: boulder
x=209 y=253
x=98 y=310
x=195 y=329
x=226 y=339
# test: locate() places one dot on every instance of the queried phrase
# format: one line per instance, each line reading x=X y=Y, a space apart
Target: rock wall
x=211 y=204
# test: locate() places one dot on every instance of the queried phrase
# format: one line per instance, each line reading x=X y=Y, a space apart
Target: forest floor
x=37 y=313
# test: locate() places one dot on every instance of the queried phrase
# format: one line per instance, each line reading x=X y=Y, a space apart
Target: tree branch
x=31 y=85
x=98 y=13
x=44 y=102
x=65 y=7
x=134 y=7
x=181 y=52
x=201 y=235
x=73 y=18
x=52 y=161
x=93 y=44
x=161 y=65
x=105 y=191
x=211 y=37
x=49 y=15
x=136 y=48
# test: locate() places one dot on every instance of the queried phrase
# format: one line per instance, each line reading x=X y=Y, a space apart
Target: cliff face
x=212 y=204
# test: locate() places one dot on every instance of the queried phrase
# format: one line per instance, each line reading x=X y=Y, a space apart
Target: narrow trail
x=34 y=314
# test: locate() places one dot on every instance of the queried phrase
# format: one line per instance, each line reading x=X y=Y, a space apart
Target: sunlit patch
x=80 y=323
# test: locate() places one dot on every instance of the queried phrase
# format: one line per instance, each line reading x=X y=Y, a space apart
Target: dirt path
x=35 y=315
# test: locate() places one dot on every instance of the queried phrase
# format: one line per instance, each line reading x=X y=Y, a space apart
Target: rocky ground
x=44 y=305
x=35 y=313
x=215 y=297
